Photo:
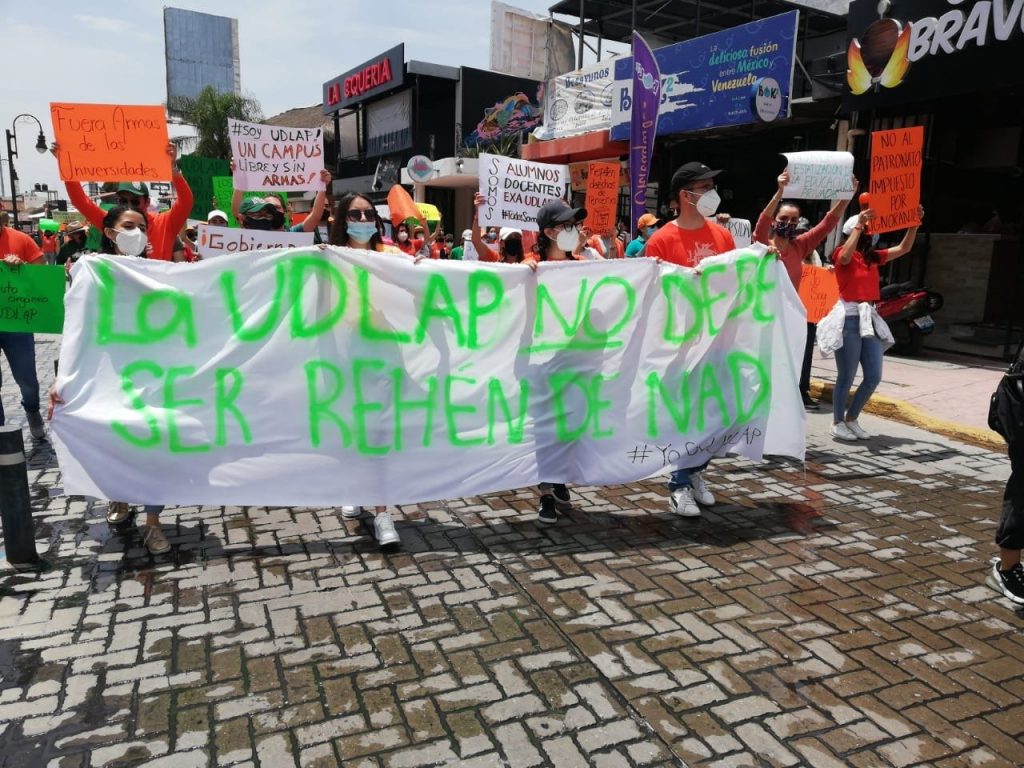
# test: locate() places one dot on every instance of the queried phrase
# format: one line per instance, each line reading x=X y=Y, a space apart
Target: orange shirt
x=19 y=244
x=49 y=242
x=686 y=247
x=161 y=229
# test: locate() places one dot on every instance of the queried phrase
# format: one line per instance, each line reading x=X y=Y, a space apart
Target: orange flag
x=402 y=207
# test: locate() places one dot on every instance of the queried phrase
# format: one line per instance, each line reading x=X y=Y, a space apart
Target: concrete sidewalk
x=942 y=393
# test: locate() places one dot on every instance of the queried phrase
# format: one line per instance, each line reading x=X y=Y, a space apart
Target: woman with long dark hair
x=863 y=335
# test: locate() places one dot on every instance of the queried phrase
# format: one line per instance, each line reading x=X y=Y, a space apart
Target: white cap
x=215 y=213
x=467 y=234
x=506 y=232
x=849 y=224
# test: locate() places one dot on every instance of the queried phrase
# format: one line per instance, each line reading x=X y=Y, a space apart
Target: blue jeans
x=20 y=351
x=681 y=477
x=868 y=352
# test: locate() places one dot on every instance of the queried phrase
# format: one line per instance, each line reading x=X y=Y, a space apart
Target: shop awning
x=595 y=145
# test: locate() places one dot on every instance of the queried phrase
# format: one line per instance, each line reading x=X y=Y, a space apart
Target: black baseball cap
x=558 y=212
x=688 y=174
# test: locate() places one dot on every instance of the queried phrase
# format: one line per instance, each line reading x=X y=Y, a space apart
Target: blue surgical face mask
x=650 y=231
x=361 y=231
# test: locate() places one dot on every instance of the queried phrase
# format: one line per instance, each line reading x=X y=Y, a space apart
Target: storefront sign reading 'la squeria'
x=911 y=50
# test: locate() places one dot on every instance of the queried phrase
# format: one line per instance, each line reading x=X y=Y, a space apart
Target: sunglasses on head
x=355 y=214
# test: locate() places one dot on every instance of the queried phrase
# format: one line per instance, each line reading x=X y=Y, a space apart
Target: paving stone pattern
x=833 y=614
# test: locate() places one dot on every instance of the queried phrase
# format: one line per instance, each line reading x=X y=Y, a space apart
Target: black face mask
x=276 y=221
x=787 y=230
x=513 y=248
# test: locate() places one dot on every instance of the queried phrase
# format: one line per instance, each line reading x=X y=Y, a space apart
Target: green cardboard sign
x=199 y=173
x=32 y=298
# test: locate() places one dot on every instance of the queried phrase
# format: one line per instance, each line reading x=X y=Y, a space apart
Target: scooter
x=907 y=310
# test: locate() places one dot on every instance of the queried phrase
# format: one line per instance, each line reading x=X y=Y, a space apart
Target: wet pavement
x=827 y=614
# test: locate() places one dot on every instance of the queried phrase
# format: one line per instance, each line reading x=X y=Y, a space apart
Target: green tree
x=208 y=113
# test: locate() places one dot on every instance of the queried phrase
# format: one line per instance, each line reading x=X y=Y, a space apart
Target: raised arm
x=483 y=251
x=850 y=246
x=76 y=195
x=312 y=221
x=236 y=198
x=907 y=243
x=184 y=201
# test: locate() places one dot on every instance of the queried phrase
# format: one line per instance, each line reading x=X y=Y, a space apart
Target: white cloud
x=102 y=23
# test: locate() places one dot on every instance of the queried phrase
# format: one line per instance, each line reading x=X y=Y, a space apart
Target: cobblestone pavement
x=828 y=615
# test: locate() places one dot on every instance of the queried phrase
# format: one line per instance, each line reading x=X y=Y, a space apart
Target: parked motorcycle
x=908 y=311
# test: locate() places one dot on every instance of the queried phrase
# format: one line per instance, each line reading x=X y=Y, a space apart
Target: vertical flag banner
x=643 y=123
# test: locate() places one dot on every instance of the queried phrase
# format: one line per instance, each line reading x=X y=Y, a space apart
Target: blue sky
x=112 y=52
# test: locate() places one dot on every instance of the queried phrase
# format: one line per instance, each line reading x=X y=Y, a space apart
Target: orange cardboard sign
x=819 y=291
x=111 y=142
x=602 y=197
x=896 y=160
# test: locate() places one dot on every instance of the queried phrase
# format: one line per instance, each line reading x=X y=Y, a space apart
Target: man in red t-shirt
x=16 y=250
x=685 y=241
x=690 y=237
x=49 y=244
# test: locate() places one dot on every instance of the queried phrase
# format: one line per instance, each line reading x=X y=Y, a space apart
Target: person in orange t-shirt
x=162 y=228
x=17 y=249
x=685 y=241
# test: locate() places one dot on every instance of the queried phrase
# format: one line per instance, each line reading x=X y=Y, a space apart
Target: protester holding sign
x=685 y=241
x=16 y=250
x=777 y=226
x=244 y=212
x=162 y=228
x=853 y=329
x=562 y=238
x=511 y=243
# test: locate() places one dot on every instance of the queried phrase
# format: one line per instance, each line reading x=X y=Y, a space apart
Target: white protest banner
x=819 y=175
x=342 y=376
x=578 y=102
x=214 y=241
x=515 y=189
x=275 y=157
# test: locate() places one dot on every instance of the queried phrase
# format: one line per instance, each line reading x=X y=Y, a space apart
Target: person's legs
x=1007 y=576
x=805 y=370
x=20 y=351
x=384 y=527
x=847 y=357
x=871 y=369
x=152 y=534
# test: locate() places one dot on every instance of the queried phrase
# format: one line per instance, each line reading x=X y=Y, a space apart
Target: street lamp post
x=12 y=152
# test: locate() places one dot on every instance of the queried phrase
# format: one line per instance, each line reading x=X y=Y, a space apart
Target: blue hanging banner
x=736 y=76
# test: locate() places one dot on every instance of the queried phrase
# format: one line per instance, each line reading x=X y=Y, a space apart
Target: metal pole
x=14 y=179
x=15 y=509
x=579 y=59
x=633 y=25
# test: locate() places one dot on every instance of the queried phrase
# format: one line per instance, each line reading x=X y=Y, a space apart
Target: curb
x=898 y=410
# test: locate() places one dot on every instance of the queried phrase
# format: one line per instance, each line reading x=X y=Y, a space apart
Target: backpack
x=1006 y=407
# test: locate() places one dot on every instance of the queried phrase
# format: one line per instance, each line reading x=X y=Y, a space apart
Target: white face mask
x=708 y=203
x=403 y=236
x=130 y=242
x=567 y=239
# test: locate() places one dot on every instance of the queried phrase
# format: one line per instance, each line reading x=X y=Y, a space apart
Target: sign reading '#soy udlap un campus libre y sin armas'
x=308 y=377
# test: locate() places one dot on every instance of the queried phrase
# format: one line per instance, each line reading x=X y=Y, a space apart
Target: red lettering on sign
x=368 y=78
x=333 y=94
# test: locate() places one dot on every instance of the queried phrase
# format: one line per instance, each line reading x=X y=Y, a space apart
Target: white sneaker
x=701 y=494
x=857 y=430
x=681 y=502
x=384 y=530
x=351 y=513
x=841 y=431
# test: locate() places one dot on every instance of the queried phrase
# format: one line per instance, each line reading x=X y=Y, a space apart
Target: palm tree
x=208 y=113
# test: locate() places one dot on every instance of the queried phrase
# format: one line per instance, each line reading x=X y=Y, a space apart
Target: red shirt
x=49 y=242
x=793 y=252
x=19 y=244
x=161 y=229
x=858 y=280
x=686 y=247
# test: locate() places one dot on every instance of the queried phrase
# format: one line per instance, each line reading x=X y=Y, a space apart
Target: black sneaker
x=547 y=514
x=810 y=404
x=562 y=498
x=1008 y=583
